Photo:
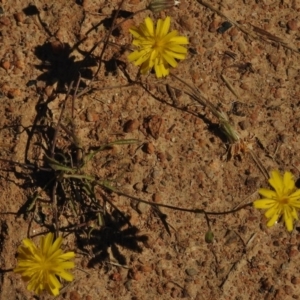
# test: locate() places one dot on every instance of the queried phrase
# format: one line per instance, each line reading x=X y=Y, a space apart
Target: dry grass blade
x=229 y=86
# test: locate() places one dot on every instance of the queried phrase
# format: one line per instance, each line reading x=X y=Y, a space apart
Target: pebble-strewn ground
x=181 y=157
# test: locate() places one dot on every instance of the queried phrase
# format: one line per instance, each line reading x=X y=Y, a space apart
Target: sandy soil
x=180 y=159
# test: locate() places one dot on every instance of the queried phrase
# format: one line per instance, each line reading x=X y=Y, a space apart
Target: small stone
x=138 y=186
x=128 y=285
x=156 y=198
x=191 y=272
x=244 y=124
x=292 y=24
x=134 y=274
x=5 y=65
x=74 y=296
x=146 y=268
x=19 y=17
x=19 y=64
x=142 y=207
x=5 y=21
x=13 y=93
x=131 y=125
x=295 y=280
x=213 y=26
x=187 y=23
x=149 y=148
x=293 y=252
x=288 y=289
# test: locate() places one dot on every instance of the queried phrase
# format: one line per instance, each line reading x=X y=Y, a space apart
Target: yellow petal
x=158 y=70
x=170 y=60
x=145 y=68
x=272 y=211
x=56 y=245
x=174 y=54
x=276 y=182
x=268 y=193
x=150 y=26
x=181 y=40
x=264 y=203
x=295 y=196
x=176 y=48
x=67 y=255
x=46 y=243
x=134 y=56
x=288 y=219
x=273 y=220
x=288 y=182
x=135 y=31
x=294 y=213
x=66 y=275
x=165 y=27
x=158 y=27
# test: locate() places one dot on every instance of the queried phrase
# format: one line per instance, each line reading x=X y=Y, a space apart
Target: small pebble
x=138 y=186
x=157 y=198
x=244 y=124
x=187 y=23
x=288 y=289
x=191 y=272
x=213 y=26
x=19 y=17
x=131 y=125
x=142 y=207
x=74 y=296
x=149 y=148
x=5 y=65
x=5 y=21
x=295 y=280
x=293 y=25
x=13 y=93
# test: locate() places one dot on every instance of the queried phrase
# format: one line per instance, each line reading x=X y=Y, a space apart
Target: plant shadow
x=59 y=65
x=115 y=234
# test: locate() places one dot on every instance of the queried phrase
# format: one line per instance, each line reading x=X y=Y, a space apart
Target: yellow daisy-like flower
x=283 y=201
x=40 y=266
x=156 y=47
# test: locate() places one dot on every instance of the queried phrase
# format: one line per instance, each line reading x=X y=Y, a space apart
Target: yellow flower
x=283 y=201
x=40 y=266
x=156 y=47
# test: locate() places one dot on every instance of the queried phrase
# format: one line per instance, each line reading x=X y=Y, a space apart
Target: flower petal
x=267 y=193
x=288 y=219
x=181 y=40
x=295 y=196
x=150 y=26
x=170 y=60
x=264 y=203
x=176 y=48
x=276 y=182
x=165 y=27
x=175 y=55
x=288 y=182
x=274 y=210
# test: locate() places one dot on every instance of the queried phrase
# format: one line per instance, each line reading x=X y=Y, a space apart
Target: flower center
x=284 y=201
x=158 y=45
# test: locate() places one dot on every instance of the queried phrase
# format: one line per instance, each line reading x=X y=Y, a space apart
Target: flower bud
x=158 y=5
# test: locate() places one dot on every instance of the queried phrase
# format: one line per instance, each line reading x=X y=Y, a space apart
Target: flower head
x=40 y=266
x=283 y=201
x=156 y=47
